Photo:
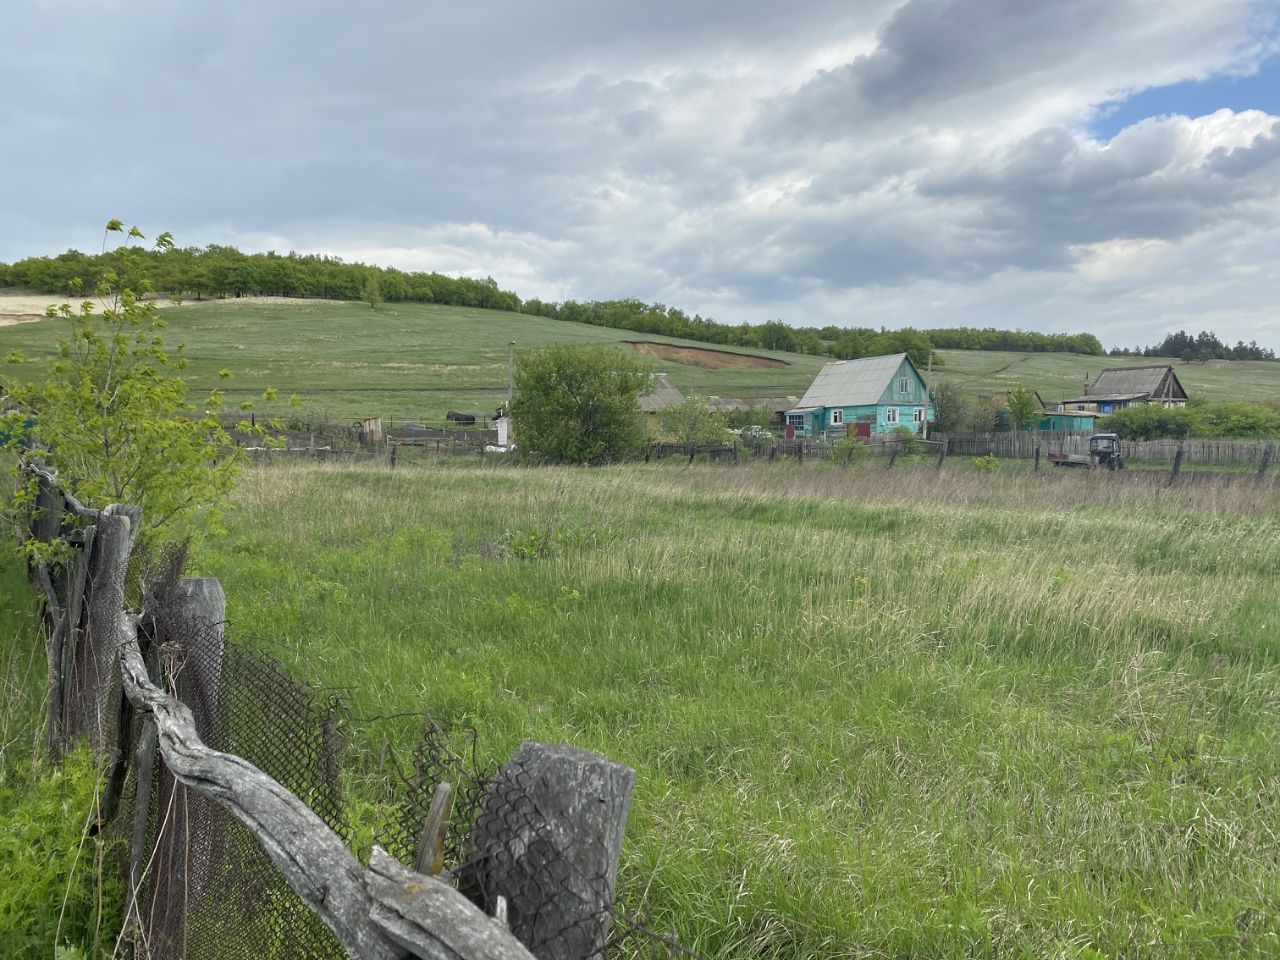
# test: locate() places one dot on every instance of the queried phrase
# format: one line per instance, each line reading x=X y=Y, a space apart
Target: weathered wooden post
x=1177 y=465
x=94 y=681
x=548 y=840
x=1037 y=458
x=942 y=452
x=392 y=457
x=190 y=630
x=1267 y=454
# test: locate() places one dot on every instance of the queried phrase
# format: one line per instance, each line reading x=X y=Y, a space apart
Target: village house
x=864 y=397
x=1126 y=387
x=662 y=394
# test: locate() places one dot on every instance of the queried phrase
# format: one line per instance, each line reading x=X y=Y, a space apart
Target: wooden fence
x=572 y=804
x=1022 y=446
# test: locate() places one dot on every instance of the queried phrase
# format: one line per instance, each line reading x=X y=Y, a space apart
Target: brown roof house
x=1129 y=386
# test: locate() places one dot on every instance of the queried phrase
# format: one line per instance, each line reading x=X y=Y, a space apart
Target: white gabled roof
x=852 y=383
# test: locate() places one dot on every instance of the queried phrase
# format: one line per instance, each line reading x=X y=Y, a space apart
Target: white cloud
x=919 y=162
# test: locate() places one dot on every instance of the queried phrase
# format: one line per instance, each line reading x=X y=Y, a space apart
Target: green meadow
x=416 y=361
x=949 y=715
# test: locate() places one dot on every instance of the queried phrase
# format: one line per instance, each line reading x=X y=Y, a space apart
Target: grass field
x=416 y=361
x=950 y=716
x=1061 y=375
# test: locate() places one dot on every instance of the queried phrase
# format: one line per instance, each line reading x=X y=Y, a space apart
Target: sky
x=1105 y=166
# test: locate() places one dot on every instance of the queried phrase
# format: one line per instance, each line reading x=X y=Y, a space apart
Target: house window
x=891 y=415
x=795 y=419
x=1080 y=407
x=918 y=415
x=837 y=417
x=904 y=385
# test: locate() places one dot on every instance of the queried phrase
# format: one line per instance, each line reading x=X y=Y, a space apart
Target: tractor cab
x=1104 y=451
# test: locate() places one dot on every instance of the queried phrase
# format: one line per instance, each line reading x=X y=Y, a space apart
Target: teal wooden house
x=864 y=397
x=1067 y=420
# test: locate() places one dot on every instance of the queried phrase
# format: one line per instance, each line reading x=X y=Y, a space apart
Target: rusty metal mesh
x=209 y=890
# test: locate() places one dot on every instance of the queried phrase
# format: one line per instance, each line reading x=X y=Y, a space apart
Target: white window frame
x=891 y=415
x=917 y=415
x=795 y=419
x=837 y=417
x=904 y=385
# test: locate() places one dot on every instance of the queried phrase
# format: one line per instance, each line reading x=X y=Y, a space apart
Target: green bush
x=50 y=895
x=1232 y=420
x=580 y=404
x=694 y=422
x=907 y=438
x=987 y=464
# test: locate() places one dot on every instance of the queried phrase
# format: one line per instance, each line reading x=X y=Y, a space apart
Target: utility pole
x=928 y=390
x=506 y=435
x=511 y=373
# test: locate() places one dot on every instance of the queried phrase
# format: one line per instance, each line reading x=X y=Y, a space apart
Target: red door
x=862 y=429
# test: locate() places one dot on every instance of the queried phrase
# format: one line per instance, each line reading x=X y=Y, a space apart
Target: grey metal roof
x=1128 y=380
x=852 y=383
x=750 y=403
x=662 y=395
x=1102 y=397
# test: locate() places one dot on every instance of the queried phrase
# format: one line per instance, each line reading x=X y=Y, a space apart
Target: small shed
x=1067 y=420
x=661 y=395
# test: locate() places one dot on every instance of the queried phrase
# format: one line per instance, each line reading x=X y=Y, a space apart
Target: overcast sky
x=1111 y=166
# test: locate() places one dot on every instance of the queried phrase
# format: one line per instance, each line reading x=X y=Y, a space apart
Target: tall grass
x=872 y=714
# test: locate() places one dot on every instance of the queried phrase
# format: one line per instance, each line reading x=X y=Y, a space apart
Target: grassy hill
x=418 y=360
x=1059 y=375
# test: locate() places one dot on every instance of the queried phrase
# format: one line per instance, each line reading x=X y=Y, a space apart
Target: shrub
x=694 y=422
x=580 y=404
x=908 y=440
x=51 y=865
x=987 y=464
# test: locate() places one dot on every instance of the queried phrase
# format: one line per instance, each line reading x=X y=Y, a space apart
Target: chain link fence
x=207 y=889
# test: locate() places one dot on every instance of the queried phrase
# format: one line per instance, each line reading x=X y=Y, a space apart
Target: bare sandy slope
x=24 y=307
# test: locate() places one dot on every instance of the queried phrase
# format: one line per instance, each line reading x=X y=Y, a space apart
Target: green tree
x=577 y=404
x=984 y=415
x=950 y=407
x=112 y=415
x=694 y=422
x=1023 y=410
x=371 y=292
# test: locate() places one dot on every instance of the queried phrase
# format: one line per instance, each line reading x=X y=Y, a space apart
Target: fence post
x=392 y=457
x=548 y=840
x=892 y=459
x=800 y=451
x=1267 y=454
x=942 y=452
x=1037 y=458
x=1177 y=465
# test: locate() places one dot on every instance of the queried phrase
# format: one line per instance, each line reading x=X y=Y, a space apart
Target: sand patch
x=703 y=356
x=25 y=307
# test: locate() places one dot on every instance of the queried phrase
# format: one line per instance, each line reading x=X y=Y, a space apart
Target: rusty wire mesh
x=210 y=892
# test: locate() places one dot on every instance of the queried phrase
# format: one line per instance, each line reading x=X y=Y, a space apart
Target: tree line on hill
x=223 y=271
x=1201 y=347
